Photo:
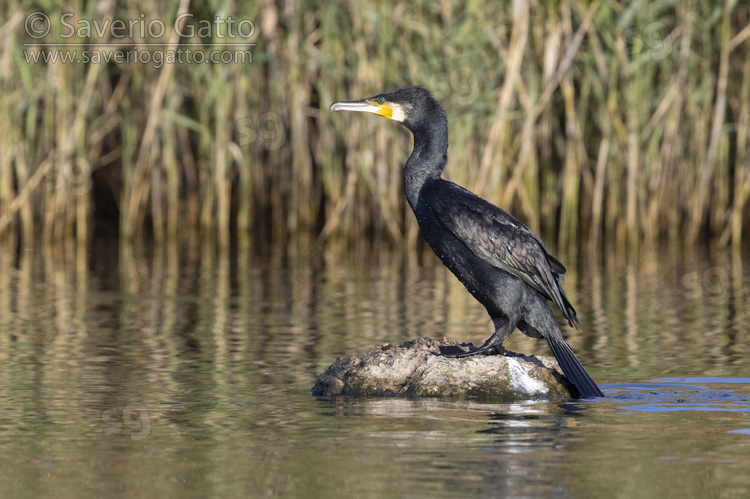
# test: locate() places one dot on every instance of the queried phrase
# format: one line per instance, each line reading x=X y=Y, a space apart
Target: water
x=186 y=371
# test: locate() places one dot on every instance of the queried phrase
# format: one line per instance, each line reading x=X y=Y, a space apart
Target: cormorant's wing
x=502 y=241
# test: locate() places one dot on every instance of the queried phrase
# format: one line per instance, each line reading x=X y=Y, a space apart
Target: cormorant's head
x=411 y=106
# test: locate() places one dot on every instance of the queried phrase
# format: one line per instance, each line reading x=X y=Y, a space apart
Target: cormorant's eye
x=381 y=101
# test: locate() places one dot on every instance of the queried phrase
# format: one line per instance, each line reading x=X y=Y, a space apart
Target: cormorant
x=502 y=263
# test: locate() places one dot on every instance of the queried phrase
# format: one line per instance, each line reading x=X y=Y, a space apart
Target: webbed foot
x=489 y=348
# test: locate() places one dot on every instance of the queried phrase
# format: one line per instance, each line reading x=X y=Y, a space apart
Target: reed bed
x=590 y=121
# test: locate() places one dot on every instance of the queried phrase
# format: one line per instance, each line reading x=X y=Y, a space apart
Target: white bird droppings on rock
x=522 y=382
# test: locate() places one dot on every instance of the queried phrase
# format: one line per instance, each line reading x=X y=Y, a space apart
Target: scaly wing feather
x=502 y=241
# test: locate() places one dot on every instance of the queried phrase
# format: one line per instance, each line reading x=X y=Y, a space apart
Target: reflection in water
x=184 y=368
x=300 y=309
x=665 y=309
x=476 y=449
x=529 y=438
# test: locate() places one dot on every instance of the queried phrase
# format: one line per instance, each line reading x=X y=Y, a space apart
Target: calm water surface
x=186 y=371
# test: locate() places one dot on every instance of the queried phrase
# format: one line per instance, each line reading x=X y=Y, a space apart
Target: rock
x=417 y=369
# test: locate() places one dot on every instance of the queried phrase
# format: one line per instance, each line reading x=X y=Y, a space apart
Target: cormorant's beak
x=363 y=106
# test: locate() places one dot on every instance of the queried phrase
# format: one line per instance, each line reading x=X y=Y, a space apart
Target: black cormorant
x=502 y=263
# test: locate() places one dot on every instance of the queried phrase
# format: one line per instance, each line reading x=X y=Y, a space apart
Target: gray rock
x=416 y=369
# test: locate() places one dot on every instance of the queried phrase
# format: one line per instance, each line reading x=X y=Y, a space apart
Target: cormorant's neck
x=428 y=158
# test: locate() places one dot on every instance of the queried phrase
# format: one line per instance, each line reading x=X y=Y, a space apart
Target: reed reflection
x=281 y=317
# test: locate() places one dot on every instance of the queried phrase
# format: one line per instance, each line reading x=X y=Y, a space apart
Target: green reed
x=627 y=121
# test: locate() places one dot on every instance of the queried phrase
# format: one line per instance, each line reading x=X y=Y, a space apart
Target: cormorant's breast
x=473 y=272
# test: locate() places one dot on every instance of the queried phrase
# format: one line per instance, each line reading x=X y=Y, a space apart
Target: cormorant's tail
x=573 y=369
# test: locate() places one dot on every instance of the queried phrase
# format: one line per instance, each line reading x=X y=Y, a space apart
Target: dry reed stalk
x=11 y=150
x=633 y=162
x=742 y=164
x=240 y=91
x=597 y=198
x=493 y=156
x=304 y=211
x=24 y=195
x=570 y=52
x=171 y=166
x=70 y=201
x=569 y=180
x=6 y=181
x=25 y=213
x=701 y=196
x=526 y=165
x=221 y=164
x=545 y=125
x=133 y=201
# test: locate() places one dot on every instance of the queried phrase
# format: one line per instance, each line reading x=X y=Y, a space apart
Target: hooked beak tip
x=362 y=106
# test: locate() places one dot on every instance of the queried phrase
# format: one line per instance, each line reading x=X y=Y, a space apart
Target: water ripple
x=684 y=394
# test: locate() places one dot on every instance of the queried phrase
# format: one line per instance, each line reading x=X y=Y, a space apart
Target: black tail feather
x=573 y=369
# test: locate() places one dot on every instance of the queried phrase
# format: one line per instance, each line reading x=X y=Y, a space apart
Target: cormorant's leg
x=492 y=346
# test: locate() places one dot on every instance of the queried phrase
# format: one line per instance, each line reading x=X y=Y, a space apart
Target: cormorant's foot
x=451 y=350
x=486 y=349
